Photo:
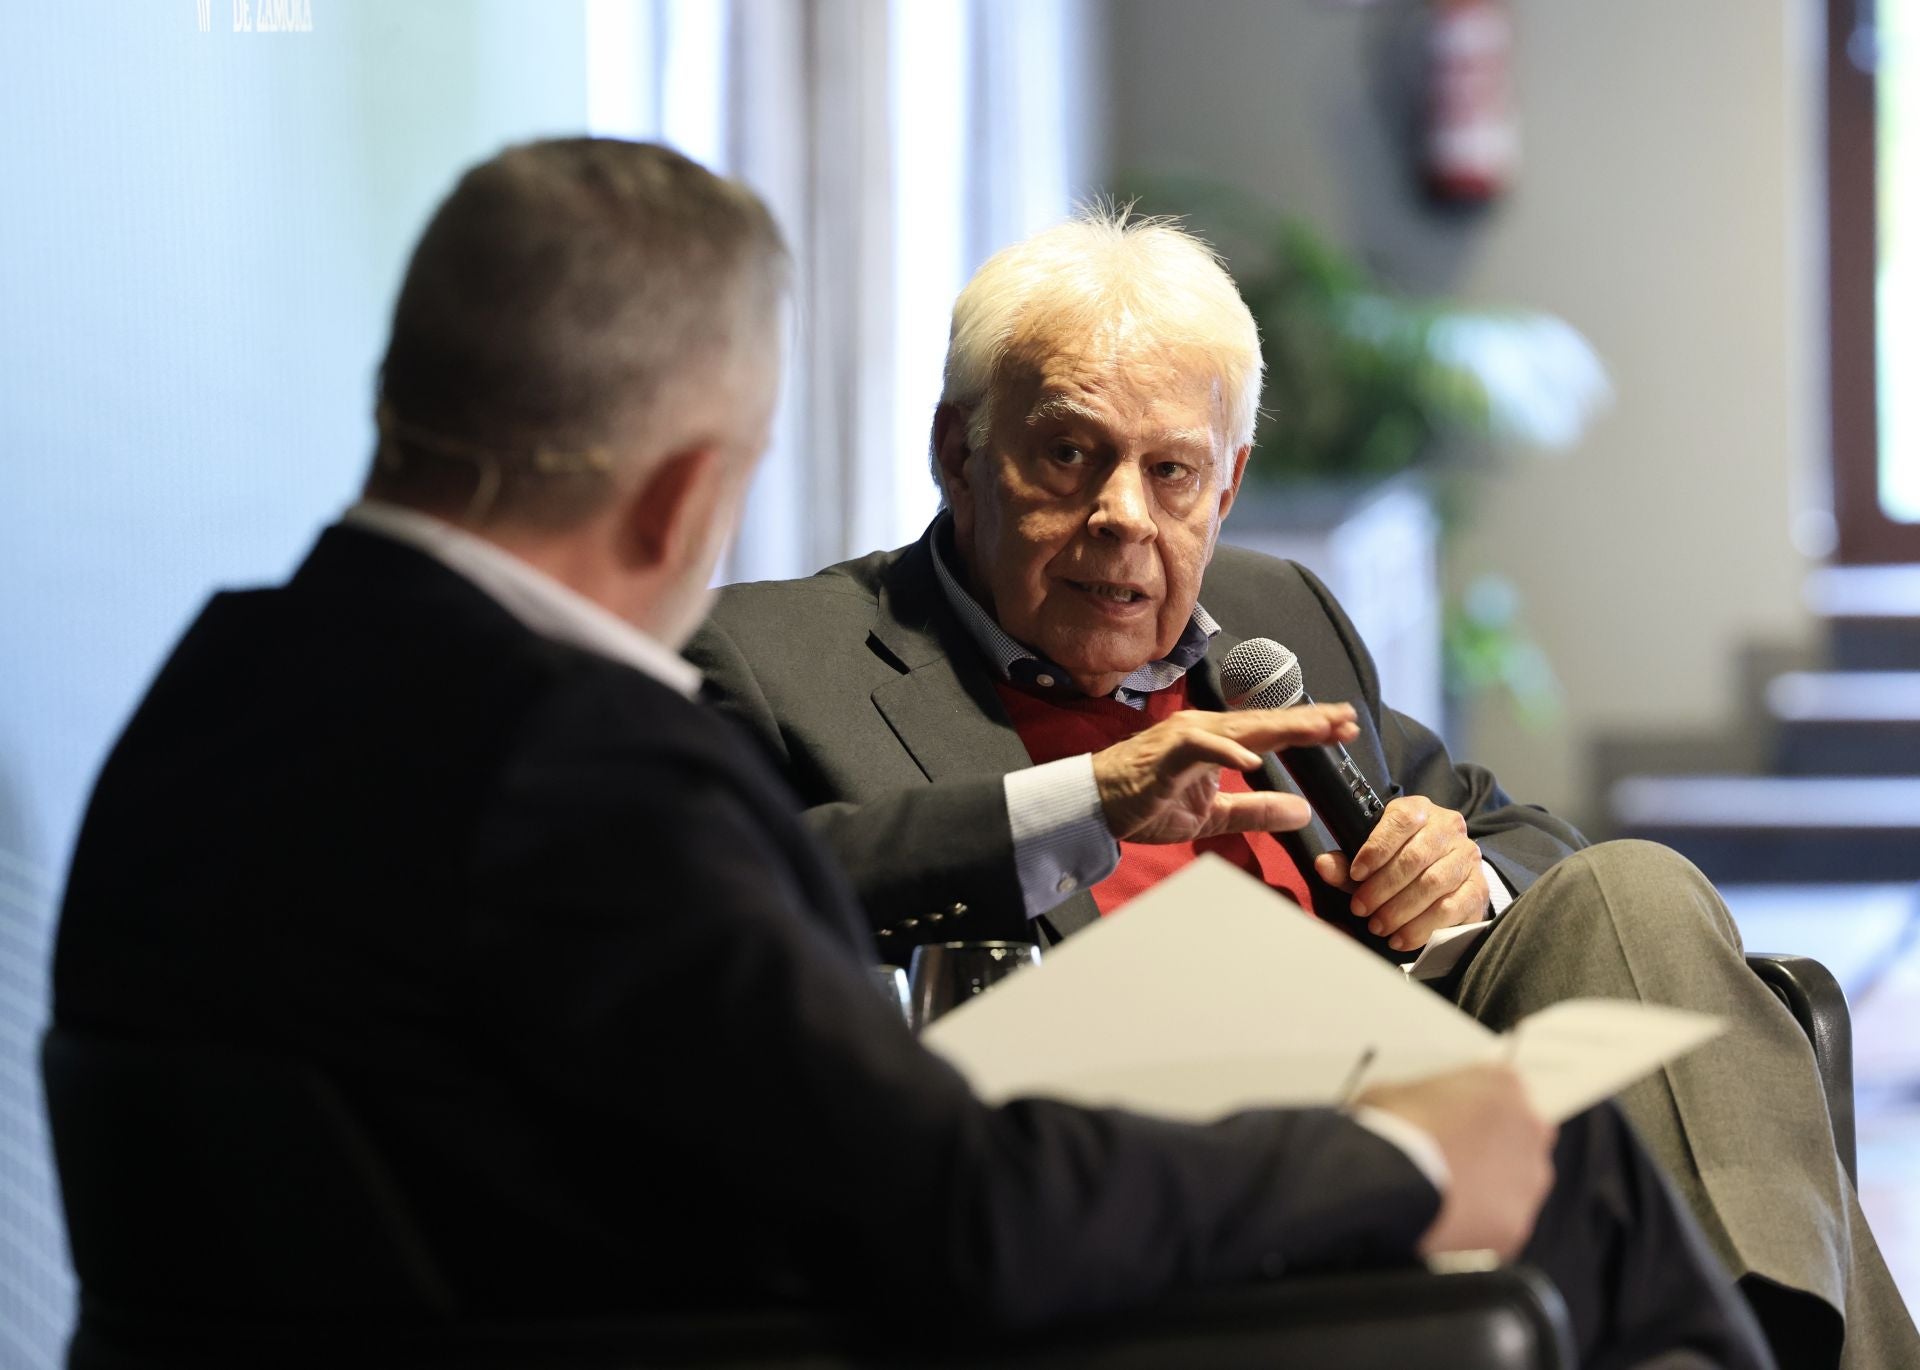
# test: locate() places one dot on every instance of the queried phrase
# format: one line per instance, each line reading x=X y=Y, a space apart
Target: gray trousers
x=1740 y=1125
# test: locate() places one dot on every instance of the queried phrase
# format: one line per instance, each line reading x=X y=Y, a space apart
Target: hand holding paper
x=1498 y=1154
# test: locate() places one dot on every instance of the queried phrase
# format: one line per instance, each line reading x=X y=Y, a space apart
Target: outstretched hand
x=1163 y=784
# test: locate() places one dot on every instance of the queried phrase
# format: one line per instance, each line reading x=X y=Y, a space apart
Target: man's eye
x=1172 y=471
x=1067 y=454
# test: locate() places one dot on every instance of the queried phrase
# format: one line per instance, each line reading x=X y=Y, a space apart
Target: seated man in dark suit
x=441 y=818
x=988 y=728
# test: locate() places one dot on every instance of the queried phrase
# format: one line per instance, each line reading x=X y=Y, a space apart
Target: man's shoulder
x=1239 y=578
x=850 y=588
x=598 y=711
x=420 y=679
x=814 y=622
x=401 y=653
x=809 y=642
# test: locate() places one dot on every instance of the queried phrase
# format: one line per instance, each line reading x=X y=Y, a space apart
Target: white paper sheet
x=1211 y=993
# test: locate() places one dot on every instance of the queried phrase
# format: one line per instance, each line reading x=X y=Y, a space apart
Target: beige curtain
x=899 y=142
x=810 y=129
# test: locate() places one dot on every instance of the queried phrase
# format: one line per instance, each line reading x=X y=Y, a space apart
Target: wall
x=1665 y=208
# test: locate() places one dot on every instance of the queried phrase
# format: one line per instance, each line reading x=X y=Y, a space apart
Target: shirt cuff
x=1498 y=894
x=1060 y=837
x=1411 y=1138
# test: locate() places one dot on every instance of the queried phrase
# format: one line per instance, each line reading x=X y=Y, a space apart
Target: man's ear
x=670 y=508
x=950 y=449
x=1232 y=492
x=951 y=455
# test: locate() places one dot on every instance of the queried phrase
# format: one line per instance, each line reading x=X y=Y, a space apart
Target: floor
x=1869 y=937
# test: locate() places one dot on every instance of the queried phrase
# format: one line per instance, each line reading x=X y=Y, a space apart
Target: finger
x=1265 y=729
x=1398 y=876
x=1202 y=748
x=1464 y=905
x=1331 y=866
x=1455 y=866
x=1441 y=830
x=1390 y=859
x=1403 y=817
x=1256 y=812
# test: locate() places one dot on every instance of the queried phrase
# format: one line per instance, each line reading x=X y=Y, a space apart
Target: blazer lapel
x=954 y=734
x=943 y=706
x=951 y=730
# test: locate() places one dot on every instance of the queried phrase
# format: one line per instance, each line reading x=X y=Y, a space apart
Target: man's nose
x=1120 y=508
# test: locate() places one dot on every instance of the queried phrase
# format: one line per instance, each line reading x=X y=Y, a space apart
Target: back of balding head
x=562 y=296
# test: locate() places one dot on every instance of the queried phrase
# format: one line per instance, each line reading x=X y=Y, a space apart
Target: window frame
x=1864 y=535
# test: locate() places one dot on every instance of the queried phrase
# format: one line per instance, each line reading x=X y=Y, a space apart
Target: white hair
x=1103 y=268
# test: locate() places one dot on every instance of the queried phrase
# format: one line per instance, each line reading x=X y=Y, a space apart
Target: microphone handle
x=1333 y=785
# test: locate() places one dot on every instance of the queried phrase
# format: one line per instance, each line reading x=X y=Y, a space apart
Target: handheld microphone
x=1261 y=674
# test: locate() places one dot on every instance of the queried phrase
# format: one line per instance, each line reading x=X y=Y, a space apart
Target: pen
x=1354 y=1076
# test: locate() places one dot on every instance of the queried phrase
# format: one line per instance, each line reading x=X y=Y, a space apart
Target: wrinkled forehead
x=1146 y=387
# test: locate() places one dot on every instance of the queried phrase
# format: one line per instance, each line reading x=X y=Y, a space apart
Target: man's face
x=1089 y=515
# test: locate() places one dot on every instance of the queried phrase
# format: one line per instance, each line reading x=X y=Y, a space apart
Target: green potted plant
x=1366 y=384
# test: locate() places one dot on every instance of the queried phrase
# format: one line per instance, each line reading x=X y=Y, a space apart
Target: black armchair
x=1818 y=1004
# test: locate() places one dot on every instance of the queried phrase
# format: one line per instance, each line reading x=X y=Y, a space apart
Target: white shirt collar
x=532 y=596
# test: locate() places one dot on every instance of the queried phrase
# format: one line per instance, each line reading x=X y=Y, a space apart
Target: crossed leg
x=1739 y=1126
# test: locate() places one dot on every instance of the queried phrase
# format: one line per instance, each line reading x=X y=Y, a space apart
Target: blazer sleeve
x=649 y=953
x=1521 y=840
x=921 y=854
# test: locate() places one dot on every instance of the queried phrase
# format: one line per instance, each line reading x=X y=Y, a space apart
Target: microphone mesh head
x=1261 y=674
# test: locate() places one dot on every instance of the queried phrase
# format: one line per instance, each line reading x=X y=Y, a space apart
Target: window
x=1873 y=174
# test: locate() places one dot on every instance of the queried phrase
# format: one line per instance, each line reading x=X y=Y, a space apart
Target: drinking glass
x=891 y=981
x=945 y=975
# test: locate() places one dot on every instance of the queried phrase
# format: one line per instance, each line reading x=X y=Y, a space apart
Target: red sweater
x=1052 y=729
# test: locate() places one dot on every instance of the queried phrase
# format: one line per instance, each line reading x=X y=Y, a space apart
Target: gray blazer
x=881 y=712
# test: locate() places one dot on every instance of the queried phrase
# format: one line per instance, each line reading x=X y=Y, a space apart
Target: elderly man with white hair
x=1015 y=724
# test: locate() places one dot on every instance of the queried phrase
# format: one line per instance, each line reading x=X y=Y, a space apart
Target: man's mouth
x=1104 y=589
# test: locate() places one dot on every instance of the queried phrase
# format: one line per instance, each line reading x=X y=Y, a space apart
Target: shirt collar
x=1020 y=665
x=535 y=598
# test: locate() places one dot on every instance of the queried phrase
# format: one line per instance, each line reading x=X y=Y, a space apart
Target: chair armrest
x=1819 y=1005
x=1494 y=1320
x=1510 y=1319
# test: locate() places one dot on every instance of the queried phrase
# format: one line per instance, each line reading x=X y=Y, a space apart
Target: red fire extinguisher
x=1472 y=137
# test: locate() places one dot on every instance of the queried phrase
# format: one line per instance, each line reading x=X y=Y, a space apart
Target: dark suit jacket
x=557 y=934
x=880 y=710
